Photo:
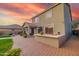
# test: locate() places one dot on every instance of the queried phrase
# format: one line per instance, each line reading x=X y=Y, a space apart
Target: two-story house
x=53 y=26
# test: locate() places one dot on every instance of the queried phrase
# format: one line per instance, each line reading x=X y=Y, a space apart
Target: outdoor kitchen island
x=52 y=40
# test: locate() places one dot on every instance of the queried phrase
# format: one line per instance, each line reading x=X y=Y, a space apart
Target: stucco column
x=44 y=30
x=36 y=31
x=29 y=30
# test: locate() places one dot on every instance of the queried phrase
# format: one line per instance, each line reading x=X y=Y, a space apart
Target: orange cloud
x=75 y=15
x=30 y=8
x=9 y=13
x=17 y=17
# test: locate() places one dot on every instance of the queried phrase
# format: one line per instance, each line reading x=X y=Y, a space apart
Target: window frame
x=49 y=30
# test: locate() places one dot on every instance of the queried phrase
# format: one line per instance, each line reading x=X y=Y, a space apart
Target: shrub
x=1 y=54
x=10 y=33
x=1 y=34
x=25 y=36
x=41 y=33
x=20 y=33
x=13 y=52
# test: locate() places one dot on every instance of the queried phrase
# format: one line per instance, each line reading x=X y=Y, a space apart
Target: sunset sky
x=17 y=13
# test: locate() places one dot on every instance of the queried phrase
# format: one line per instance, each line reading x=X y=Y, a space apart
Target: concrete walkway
x=31 y=47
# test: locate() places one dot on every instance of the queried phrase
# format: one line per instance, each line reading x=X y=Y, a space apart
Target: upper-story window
x=48 y=14
x=37 y=20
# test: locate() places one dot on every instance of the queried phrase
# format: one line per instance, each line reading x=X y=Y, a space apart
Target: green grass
x=6 y=47
x=5 y=44
x=5 y=36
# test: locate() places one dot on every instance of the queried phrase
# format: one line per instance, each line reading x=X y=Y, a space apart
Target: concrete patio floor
x=31 y=47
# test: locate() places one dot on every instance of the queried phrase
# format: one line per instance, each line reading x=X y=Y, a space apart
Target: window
x=48 y=30
x=40 y=29
x=37 y=20
x=48 y=14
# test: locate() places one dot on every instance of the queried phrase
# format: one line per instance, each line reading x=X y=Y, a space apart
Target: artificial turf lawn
x=5 y=44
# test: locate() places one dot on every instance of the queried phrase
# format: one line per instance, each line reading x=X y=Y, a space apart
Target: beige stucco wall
x=61 y=20
x=56 y=20
x=27 y=28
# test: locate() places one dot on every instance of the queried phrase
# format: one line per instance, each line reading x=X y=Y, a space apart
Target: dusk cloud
x=20 y=12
